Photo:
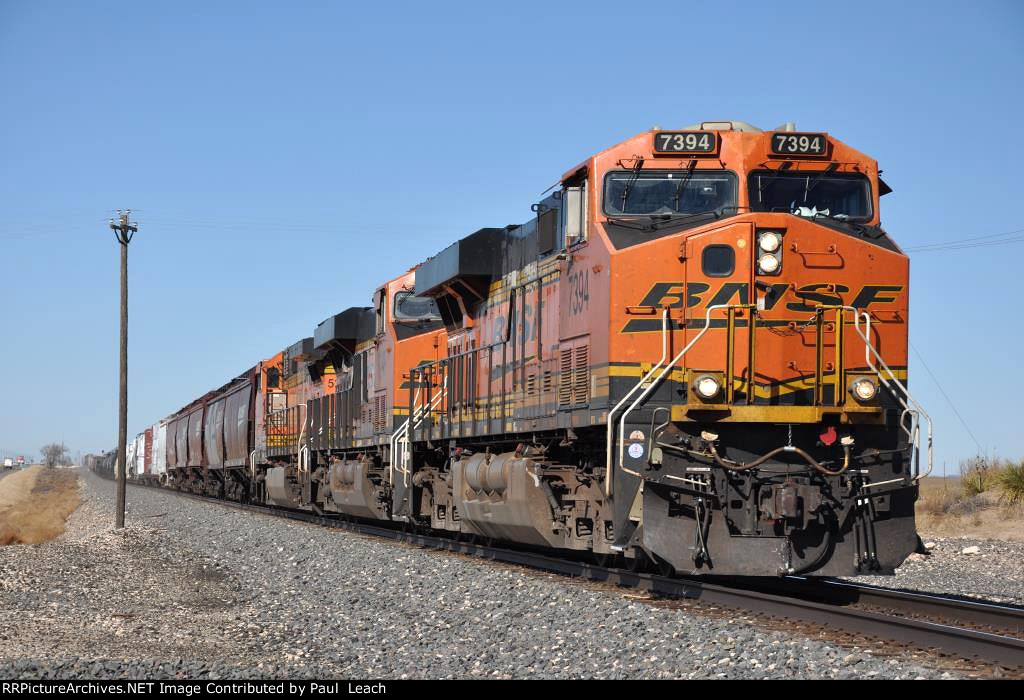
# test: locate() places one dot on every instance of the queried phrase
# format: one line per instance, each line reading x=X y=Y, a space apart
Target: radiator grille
x=574 y=376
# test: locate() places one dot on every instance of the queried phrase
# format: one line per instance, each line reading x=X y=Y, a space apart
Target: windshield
x=836 y=195
x=647 y=192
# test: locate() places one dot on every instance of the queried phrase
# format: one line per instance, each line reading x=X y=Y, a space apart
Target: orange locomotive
x=693 y=356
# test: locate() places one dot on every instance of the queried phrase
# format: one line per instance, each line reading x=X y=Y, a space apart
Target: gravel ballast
x=991 y=570
x=192 y=589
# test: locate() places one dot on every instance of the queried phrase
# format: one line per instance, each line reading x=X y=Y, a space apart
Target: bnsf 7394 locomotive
x=692 y=356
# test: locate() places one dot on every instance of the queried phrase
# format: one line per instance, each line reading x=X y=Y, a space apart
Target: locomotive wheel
x=664 y=568
x=639 y=563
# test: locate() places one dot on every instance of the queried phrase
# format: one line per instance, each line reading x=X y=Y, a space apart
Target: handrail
x=657 y=380
x=911 y=406
x=730 y=352
x=397 y=460
x=404 y=428
x=426 y=410
x=609 y=465
x=664 y=368
x=302 y=430
x=401 y=436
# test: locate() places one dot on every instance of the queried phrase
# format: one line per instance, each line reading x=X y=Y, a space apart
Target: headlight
x=707 y=387
x=770 y=241
x=768 y=263
x=863 y=389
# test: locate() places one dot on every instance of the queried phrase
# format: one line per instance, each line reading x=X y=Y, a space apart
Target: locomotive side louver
x=564 y=378
x=574 y=376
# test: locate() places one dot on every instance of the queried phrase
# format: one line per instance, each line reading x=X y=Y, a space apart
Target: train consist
x=692 y=356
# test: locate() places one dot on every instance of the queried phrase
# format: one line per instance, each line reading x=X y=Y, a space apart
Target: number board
x=793 y=144
x=685 y=142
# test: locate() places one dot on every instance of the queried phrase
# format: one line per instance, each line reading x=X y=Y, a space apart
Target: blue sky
x=284 y=158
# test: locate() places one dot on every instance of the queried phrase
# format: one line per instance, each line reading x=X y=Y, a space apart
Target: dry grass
x=987 y=501
x=35 y=503
x=947 y=508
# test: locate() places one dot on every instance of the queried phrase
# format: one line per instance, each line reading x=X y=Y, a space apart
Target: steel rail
x=826 y=602
x=980 y=613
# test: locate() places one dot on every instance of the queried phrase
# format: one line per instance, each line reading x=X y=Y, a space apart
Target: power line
x=18 y=231
x=948 y=400
x=965 y=246
x=978 y=238
x=991 y=239
x=36 y=230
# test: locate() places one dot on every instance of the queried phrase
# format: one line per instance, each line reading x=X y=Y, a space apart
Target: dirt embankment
x=35 y=503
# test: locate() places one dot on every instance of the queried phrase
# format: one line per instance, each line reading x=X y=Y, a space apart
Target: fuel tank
x=504 y=497
x=354 y=493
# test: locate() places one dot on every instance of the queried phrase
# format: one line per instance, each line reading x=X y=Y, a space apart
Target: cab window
x=840 y=196
x=667 y=193
x=409 y=307
x=718 y=261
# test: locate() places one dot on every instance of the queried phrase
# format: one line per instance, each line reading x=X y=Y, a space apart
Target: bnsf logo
x=676 y=295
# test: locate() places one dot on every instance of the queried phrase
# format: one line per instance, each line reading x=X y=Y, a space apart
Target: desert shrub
x=978 y=475
x=977 y=481
x=1011 y=484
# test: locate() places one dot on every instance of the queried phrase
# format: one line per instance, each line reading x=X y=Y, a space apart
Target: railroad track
x=959 y=627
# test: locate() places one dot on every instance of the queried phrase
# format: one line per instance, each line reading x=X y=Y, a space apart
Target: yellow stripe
x=639 y=371
x=781 y=414
x=788 y=386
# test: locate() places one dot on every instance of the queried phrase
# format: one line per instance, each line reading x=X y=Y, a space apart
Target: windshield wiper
x=658 y=220
x=665 y=219
x=683 y=182
x=763 y=180
x=632 y=180
x=811 y=184
x=627 y=222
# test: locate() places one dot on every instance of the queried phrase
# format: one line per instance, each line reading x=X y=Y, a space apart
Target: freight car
x=102 y=464
x=693 y=356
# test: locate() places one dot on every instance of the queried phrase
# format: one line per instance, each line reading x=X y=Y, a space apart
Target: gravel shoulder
x=191 y=589
x=991 y=570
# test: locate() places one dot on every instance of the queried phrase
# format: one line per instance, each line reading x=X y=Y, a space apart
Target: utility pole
x=124 y=230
